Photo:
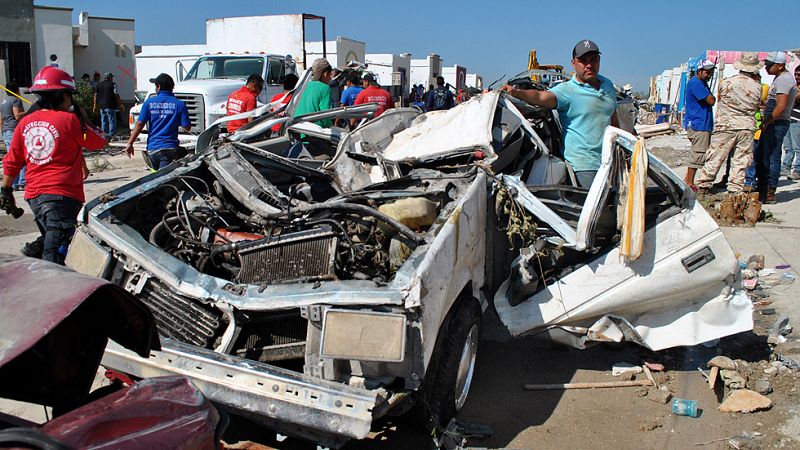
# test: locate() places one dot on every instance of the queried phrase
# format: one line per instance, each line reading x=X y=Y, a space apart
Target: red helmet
x=52 y=79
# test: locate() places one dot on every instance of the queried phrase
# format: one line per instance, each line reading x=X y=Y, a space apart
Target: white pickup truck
x=212 y=78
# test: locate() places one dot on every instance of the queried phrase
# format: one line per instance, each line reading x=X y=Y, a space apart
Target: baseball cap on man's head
x=165 y=81
x=368 y=77
x=320 y=66
x=109 y=75
x=775 y=58
x=706 y=65
x=583 y=47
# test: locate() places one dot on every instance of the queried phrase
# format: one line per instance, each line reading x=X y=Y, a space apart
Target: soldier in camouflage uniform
x=739 y=99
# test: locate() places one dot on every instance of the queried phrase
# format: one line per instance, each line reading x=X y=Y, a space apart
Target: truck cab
x=212 y=78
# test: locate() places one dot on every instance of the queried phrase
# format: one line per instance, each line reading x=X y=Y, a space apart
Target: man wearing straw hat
x=739 y=99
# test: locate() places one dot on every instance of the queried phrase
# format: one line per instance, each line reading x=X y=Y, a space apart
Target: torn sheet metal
x=466 y=127
x=541 y=211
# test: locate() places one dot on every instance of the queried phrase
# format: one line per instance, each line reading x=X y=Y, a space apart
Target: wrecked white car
x=316 y=280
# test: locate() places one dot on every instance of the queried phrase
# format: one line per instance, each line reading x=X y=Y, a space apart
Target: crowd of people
x=751 y=127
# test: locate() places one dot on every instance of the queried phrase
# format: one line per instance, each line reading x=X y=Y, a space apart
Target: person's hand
x=129 y=150
x=7 y=201
x=507 y=88
x=94 y=108
x=85 y=169
x=122 y=109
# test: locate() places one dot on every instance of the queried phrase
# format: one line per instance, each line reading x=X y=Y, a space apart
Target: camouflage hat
x=748 y=63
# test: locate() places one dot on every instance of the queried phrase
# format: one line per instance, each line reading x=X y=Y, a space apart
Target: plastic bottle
x=684 y=407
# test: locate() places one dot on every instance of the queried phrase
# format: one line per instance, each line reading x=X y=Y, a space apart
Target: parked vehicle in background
x=212 y=78
x=51 y=344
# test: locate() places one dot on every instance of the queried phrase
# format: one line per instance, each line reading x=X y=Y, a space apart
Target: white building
x=474 y=80
x=425 y=71
x=391 y=70
x=455 y=75
x=339 y=52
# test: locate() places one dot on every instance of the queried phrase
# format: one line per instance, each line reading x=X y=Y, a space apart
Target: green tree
x=84 y=97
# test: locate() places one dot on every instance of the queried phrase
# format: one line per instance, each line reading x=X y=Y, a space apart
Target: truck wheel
x=450 y=373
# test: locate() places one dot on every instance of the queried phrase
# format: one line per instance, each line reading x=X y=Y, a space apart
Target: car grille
x=272 y=336
x=197 y=109
x=301 y=256
x=181 y=318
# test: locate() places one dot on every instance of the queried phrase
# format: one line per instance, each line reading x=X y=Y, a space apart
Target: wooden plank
x=712 y=378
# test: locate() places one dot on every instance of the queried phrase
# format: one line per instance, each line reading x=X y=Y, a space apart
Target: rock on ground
x=745 y=400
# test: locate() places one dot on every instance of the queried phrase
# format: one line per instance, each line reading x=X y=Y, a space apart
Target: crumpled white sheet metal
x=467 y=126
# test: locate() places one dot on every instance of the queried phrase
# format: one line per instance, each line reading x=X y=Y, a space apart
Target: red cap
x=52 y=79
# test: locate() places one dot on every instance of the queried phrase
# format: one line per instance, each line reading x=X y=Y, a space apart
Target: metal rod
x=594 y=385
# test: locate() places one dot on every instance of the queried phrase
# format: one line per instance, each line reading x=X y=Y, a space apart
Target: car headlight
x=363 y=335
x=87 y=256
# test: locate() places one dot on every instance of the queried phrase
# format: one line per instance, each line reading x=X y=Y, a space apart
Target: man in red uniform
x=373 y=93
x=289 y=83
x=49 y=142
x=244 y=100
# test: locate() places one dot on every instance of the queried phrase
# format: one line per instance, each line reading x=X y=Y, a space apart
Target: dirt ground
x=619 y=418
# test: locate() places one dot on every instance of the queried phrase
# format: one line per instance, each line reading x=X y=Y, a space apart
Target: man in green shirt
x=317 y=94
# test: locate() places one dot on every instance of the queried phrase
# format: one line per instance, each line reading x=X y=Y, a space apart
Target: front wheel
x=452 y=367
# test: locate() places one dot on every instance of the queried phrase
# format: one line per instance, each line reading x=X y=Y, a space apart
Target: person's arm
x=185 y=122
x=781 y=103
x=451 y=101
x=134 y=134
x=120 y=105
x=710 y=100
x=614 y=119
x=94 y=102
x=544 y=99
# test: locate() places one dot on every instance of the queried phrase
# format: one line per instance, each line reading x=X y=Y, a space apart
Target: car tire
x=450 y=372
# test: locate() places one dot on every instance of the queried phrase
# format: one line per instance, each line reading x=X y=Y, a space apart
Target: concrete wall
x=339 y=52
x=110 y=49
x=455 y=75
x=17 y=25
x=425 y=71
x=280 y=35
x=385 y=64
x=156 y=59
x=474 y=80
x=54 y=37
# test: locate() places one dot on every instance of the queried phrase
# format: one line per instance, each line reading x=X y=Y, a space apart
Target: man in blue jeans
x=106 y=98
x=699 y=117
x=791 y=143
x=762 y=177
x=163 y=113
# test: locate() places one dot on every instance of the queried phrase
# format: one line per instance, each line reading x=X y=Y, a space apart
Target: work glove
x=7 y=202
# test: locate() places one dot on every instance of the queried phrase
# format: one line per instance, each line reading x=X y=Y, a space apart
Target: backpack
x=439 y=98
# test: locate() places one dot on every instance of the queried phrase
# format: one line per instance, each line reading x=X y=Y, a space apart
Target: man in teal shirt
x=586 y=105
x=317 y=94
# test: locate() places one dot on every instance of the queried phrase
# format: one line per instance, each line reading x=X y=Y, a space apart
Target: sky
x=638 y=39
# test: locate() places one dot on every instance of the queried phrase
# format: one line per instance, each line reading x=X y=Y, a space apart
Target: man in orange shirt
x=373 y=93
x=244 y=100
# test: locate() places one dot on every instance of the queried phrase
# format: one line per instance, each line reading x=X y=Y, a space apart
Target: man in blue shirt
x=699 y=118
x=163 y=113
x=586 y=105
x=353 y=83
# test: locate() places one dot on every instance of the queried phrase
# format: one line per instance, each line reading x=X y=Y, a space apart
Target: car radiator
x=181 y=318
x=307 y=255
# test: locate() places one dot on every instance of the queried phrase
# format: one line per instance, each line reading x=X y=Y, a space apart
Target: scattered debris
x=741 y=442
x=642 y=391
x=763 y=387
x=723 y=362
x=649 y=425
x=745 y=400
x=762 y=303
x=787 y=362
x=244 y=445
x=767 y=311
x=733 y=379
x=750 y=284
x=684 y=407
x=454 y=436
x=662 y=395
x=655 y=367
x=590 y=385
x=712 y=378
x=621 y=368
x=758 y=261
x=783 y=266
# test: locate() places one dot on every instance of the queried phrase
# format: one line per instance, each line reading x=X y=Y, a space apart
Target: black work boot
x=33 y=249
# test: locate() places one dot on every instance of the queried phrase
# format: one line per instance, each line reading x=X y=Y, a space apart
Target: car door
x=678 y=292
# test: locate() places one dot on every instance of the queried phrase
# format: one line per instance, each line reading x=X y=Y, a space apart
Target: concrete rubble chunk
x=761 y=386
x=723 y=362
x=733 y=379
x=757 y=261
x=745 y=400
x=621 y=368
x=662 y=395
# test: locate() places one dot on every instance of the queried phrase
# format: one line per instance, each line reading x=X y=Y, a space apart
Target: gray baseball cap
x=583 y=47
